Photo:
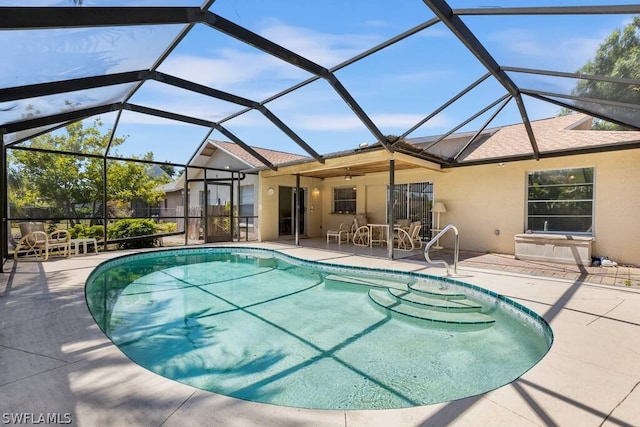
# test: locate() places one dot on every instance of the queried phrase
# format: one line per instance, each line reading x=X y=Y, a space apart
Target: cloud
x=323 y=48
x=567 y=53
x=330 y=122
x=230 y=67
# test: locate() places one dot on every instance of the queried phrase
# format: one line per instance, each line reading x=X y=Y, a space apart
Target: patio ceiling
x=351 y=169
x=197 y=69
x=357 y=170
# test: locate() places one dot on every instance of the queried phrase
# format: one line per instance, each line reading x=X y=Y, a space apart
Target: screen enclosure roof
x=315 y=78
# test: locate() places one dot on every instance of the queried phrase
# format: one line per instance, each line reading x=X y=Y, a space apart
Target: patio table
x=382 y=236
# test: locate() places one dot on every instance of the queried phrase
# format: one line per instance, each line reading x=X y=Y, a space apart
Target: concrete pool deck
x=55 y=361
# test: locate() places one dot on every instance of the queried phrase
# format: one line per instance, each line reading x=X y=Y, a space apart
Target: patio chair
x=408 y=240
x=35 y=242
x=342 y=234
x=360 y=230
x=404 y=223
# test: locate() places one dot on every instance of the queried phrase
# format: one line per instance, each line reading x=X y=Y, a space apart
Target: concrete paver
x=54 y=359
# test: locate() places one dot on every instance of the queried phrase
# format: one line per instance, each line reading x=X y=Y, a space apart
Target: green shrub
x=133 y=227
x=95 y=231
x=83 y=231
x=167 y=227
x=78 y=231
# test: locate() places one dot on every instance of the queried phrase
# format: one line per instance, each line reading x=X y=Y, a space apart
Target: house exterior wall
x=220 y=160
x=173 y=200
x=483 y=199
x=487 y=203
x=269 y=205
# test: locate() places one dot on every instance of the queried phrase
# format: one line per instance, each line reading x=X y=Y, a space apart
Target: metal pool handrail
x=455 y=248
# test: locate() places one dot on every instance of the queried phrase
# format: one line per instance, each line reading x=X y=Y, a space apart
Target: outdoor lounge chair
x=342 y=234
x=408 y=240
x=35 y=242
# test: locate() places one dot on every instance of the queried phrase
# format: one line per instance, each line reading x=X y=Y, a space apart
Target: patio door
x=413 y=201
x=287 y=199
x=218 y=217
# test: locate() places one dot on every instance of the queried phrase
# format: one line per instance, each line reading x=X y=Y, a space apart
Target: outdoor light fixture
x=347 y=177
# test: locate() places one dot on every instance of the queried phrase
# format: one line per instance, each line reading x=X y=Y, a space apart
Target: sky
x=397 y=87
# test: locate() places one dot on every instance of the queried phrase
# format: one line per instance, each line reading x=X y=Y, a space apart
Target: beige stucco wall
x=487 y=203
x=483 y=199
x=268 y=205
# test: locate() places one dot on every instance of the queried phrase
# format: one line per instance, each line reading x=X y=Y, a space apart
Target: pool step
x=339 y=279
x=441 y=317
x=255 y=259
x=434 y=302
x=436 y=289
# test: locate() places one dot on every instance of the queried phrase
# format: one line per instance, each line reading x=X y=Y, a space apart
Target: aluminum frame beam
x=577 y=76
x=552 y=10
x=247 y=148
x=68 y=116
x=445 y=105
x=71 y=85
x=235 y=99
x=29 y=18
x=464 y=34
x=483 y=127
x=242 y=34
x=469 y=120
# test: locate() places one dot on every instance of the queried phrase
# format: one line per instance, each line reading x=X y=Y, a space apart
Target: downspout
x=206 y=208
x=105 y=212
x=104 y=201
x=185 y=202
x=4 y=250
x=231 y=215
x=390 y=215
x=297 y=211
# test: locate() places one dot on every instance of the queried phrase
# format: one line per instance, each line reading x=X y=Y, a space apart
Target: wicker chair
x=408 y=240
x=35 y=242
x=360 y=230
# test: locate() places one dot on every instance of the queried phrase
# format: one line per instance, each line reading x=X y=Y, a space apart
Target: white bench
x=75 y=243
x=559 y=248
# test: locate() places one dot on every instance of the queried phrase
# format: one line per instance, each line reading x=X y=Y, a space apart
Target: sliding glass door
x=414 y=201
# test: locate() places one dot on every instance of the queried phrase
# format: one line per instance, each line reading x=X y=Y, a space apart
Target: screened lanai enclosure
x=106 y=106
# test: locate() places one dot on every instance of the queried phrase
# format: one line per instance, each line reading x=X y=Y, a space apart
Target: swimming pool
x=263 y=326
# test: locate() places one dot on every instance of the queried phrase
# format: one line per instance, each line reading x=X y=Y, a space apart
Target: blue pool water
x=262 y=326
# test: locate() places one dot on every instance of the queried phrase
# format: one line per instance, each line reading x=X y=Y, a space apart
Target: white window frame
x=337 y=200
x=548 y=226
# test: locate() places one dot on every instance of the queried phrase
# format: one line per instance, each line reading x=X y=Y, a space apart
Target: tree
x=71 y=185
x=618 y=56
x=169 y=170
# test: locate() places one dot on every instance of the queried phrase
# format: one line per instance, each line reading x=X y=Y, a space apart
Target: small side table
x=75 y=243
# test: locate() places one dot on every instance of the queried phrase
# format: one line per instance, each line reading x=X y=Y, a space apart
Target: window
x=246 y=204
x=560 y=201
x=344 y=200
